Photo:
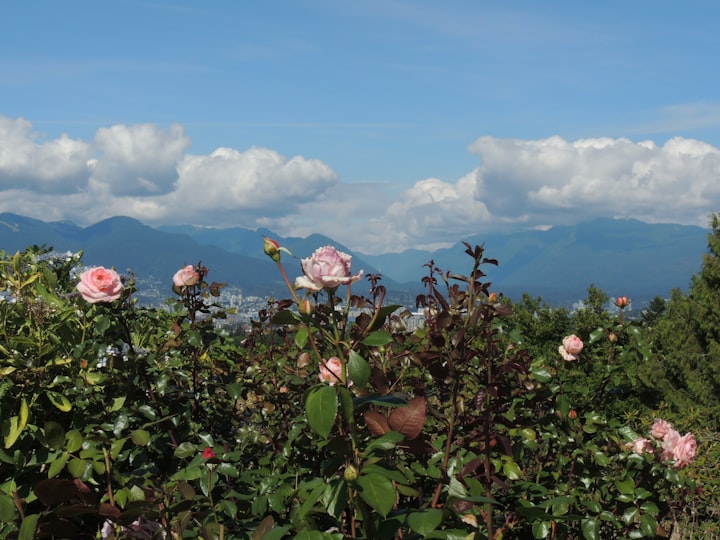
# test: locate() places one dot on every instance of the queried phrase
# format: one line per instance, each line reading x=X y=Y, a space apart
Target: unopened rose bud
x=622 y=302
x=271 y=248
x=350 y=474
x=572 y=415
x=306 y=307
x=612 y=337
x=492 y=297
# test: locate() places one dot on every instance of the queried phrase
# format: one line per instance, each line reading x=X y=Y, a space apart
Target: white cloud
x=145 y=172
x=138 y=159
x=27 y=162
x=539 y=183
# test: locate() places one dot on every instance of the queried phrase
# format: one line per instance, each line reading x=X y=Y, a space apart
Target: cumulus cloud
x=552 y=181
x=27 y=162
x=145 y=171
x=234 y=185
x=137 y=160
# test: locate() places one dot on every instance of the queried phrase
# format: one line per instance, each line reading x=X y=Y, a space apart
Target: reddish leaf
x=376 y=423
x=54 y=491
x=409 y=419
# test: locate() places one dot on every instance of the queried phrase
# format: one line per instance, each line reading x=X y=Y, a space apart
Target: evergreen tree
x=687 y=370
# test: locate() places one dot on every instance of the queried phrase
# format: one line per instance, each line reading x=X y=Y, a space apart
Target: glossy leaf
x=321 y=408
x=377 y=491
x=409 y=419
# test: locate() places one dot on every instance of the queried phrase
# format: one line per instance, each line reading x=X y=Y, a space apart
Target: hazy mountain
x=622 y=257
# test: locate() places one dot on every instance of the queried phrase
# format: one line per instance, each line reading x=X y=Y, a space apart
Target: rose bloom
x=186 y=277
x=326 y=268
x=331 y=371
x=208 y=453
x=661 y=428
x=684 y=450
x=571 y=347
x=668 y=445
x=100 y=284
x=640 y=445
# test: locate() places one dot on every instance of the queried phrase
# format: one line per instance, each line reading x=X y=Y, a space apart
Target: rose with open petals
x=100 y=284
x=571 y=347
x=684 y=450
x=331 y=371
x=327 y=268
x=186 y=277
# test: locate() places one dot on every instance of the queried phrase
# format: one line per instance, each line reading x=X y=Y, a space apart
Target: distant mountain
x=621 y=257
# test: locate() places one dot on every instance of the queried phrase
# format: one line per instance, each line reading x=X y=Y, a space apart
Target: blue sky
x=383 y=124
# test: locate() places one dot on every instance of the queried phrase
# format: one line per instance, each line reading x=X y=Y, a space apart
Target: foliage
x=687 y=340
x=132 y=421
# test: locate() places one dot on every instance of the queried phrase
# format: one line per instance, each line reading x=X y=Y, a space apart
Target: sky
x=384 y=124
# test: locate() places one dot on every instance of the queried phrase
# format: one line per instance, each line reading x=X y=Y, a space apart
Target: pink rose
x=326 y=268
x=641 y=445
x=186 y=277
x=684 y=450
x=571 y=347
x=100 y=285
x=661 y=428
x=331 y=371
x=668 y=445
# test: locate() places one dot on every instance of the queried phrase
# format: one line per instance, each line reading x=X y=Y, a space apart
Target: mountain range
x=621 y=257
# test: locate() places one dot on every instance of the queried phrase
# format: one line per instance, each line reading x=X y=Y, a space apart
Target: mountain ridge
x=622 y=257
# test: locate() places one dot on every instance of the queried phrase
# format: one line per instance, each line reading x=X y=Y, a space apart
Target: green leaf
x=7 y=508
x=590 y=529
x=377 y=491
x=384 y=442
x=54 y=435
x=234 y=390
x=140 y=437
x=186 y=449
x=27 y=529
x=511 y=469
x=61 y=402
x=73 y=440
x=77 y=467
x=596 y=334
x=541 y=529
x=648 y=525
x=58 y=465
x=625 y=486
x=321 y=408
x=301 y=337
x=378 y=338
x=285 y=317
x=541 y=375
x=358 y=369
x=426 y=521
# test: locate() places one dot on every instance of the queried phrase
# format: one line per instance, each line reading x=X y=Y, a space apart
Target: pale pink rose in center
x=186 y=277
x=326 y=268
x=571 y=347
x=684 y=450
x=100 y=284
x=668 y=444
x=331 y=371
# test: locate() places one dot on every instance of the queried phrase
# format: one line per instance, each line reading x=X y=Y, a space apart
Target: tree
x=686 y=337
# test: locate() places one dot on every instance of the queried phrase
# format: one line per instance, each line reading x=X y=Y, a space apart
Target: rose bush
x=123 y=417
x=100 y=284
